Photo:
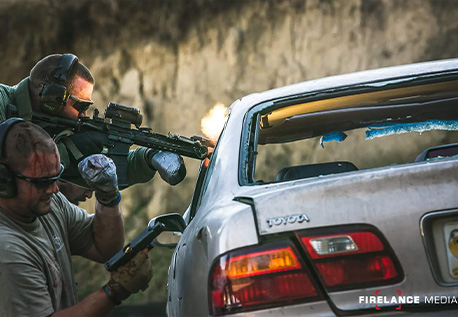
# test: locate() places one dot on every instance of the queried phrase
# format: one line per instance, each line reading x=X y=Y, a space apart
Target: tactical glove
x=99 y=172
x=131 y=277
x=169 y=165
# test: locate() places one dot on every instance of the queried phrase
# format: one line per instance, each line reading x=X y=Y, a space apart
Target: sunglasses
x=81 y=105
x=41 y=182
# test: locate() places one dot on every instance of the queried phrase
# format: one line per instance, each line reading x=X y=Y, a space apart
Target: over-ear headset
x=54 y=94
x=7 y=180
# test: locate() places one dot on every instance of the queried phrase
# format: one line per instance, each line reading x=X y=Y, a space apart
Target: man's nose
x=88 y=193
x=82 y=114
x=52 y=189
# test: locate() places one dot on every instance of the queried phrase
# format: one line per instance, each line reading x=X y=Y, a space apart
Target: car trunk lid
x=392 y=199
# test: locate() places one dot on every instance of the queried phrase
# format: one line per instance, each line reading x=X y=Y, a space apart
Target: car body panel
x=202 y=242
x=351 y=196
x=308 y=309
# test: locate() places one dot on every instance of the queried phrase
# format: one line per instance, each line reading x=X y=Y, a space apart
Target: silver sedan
x=336 y=196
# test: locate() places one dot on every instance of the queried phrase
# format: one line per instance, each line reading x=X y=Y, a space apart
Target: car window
x=354 y=132
x=314 y=158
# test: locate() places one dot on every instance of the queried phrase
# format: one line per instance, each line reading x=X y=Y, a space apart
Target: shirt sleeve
x=5 y=99
x=2 y=112
x=137 y=168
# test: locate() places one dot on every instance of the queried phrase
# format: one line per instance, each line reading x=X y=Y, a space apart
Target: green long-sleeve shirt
x=138 y=170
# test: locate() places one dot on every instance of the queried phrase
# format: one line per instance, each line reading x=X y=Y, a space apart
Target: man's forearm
x=96 y=304
x=138 y=169
x=108 y=230
x=99 y=173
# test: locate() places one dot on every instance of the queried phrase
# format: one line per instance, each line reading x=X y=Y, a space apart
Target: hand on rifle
x=169 y=165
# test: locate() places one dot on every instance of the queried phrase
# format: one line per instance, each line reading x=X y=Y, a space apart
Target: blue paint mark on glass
x=385 y=129
x=337 y=136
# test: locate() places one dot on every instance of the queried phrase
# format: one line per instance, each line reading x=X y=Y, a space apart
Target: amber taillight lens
x=257 y=278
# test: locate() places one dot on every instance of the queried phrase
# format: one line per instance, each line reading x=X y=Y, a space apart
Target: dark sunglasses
x=81 y=105
x=41 y=182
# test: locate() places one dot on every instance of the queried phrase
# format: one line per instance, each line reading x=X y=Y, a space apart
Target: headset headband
x=5 y=126
x=65 y=65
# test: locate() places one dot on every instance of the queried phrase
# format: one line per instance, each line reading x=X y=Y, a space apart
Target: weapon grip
x=119 y=153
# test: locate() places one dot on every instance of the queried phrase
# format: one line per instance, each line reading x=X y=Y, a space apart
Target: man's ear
x=7 y=182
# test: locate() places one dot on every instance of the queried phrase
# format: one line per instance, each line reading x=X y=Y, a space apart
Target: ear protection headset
x=54 y=94
x=7 y=180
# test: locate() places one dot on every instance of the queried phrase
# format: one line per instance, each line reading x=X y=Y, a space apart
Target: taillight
x=259 y=277
x=352 y=259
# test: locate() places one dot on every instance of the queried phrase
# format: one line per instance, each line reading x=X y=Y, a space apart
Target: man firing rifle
x=59 y=85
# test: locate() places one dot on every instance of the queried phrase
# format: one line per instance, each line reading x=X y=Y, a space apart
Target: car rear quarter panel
x=227 y=227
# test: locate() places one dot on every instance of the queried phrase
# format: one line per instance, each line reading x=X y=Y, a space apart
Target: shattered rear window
x=355 y=152
x=356 y=132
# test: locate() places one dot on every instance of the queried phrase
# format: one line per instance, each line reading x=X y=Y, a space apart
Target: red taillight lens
x=257 y=278
x=352 y=260
x=352 y=271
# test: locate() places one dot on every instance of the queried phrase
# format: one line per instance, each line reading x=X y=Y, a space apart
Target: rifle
x=115 y=133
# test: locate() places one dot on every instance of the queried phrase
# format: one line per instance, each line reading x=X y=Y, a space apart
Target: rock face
x=176 y=59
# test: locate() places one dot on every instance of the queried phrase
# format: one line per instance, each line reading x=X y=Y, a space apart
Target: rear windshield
x=351 y=133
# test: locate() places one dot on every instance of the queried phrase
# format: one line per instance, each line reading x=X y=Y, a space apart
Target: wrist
x=110 y=295
x=109 y=200
x=119 y=293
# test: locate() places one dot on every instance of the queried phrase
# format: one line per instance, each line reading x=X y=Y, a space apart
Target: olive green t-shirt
x=36 y=272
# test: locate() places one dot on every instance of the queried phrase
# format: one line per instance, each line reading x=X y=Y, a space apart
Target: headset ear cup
x=8 y=187
x=53 y=98
x=54 y=94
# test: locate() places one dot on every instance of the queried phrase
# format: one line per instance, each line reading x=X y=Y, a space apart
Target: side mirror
x=171 y=222
x=157 y=225
x=169 y=238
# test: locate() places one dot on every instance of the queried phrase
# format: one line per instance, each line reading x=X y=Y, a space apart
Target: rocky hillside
x=176 y=59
